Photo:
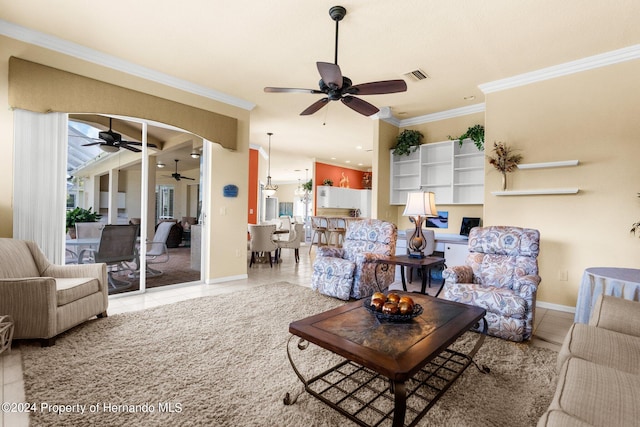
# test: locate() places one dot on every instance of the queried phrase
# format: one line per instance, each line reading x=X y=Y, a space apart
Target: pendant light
x=269 y=189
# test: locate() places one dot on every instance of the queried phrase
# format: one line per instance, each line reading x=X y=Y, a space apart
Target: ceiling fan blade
x=138 y=144
x=186 y=177
x=357 y=104
x=134 y=149
x=290 y=90
x=92 y=143
x=330 y=73
x=315 y=107
x=378 y=88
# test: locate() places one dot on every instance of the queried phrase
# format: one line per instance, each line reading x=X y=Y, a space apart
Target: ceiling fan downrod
x=337 y=13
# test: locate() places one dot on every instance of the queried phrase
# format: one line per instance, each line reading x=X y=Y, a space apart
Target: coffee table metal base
x=370 y=399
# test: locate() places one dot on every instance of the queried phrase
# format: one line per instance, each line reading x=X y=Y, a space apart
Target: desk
x=425 y=264
x=618 y=282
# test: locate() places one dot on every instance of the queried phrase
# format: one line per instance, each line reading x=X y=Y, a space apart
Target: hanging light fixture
x=269 y=189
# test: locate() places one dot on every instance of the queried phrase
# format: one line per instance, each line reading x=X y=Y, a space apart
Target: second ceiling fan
x=338 y=87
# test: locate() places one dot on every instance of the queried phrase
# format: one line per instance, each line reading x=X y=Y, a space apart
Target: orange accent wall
x=252 y=193
x=334 y=173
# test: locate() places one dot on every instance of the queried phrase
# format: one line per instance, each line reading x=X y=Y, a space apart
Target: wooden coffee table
x=391 y=371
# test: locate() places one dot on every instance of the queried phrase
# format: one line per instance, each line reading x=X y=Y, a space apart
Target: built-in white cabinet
x=339 y=197
x=455 y=253
x=454 y=172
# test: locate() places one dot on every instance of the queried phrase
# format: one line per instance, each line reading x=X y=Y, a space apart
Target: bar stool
x=336 y=227
x=319 y=226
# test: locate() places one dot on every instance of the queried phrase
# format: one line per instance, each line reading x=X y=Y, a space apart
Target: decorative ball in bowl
x=392 y=307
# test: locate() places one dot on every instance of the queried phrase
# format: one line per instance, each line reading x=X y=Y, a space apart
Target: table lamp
x=420 y=206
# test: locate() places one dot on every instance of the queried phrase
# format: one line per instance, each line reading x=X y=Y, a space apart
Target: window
x=164 y=202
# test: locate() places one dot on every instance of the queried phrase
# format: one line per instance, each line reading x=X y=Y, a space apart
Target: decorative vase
x=504 y=181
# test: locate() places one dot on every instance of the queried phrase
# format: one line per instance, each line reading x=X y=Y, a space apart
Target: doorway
x=157 y=183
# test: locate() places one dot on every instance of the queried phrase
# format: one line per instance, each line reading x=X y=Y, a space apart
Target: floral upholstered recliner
x=501 y=276
x=349 y=271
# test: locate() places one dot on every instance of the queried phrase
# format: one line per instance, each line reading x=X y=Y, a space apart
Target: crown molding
x=75 y=50
x=442 y=115
x=261 y=150
x=589 y=63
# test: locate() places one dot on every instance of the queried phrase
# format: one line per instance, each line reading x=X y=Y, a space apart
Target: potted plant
x=80 y=215
x=504 y=160
x=308 y=186
x=474 y=133
x=328 y=182
x=407 y=142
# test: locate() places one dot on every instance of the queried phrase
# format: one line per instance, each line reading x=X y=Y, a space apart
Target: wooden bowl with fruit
x=392 y=307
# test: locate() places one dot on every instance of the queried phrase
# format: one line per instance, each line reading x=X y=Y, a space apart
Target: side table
x=6 y=333
x=619 y=282
x=424 y=264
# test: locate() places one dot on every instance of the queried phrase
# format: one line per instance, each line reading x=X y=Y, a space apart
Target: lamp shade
x=421 y=204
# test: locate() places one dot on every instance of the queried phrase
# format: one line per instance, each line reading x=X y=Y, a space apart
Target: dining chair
x=262 y=241
x=319 y=230
x=295 y=238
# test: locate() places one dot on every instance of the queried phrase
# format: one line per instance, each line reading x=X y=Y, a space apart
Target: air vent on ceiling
x=416 y=75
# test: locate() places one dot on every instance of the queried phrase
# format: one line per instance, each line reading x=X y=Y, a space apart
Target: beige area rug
x=221 y=361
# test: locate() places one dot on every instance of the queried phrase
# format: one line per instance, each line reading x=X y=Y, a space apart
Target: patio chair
x=157 y=252
x=117 y=248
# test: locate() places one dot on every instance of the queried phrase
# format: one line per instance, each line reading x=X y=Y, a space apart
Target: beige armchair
x=46 y=299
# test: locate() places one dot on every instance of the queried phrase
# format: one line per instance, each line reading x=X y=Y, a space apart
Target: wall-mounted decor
x=230 y=190
x=504 y=160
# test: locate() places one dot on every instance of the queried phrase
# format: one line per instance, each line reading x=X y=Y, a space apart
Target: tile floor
x=549 y=329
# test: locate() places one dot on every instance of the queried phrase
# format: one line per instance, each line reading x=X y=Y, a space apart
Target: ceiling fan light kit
x=338 y=87
x=111 y=141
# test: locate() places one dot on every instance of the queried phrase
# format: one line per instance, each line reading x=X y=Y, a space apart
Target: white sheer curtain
x=39 y=187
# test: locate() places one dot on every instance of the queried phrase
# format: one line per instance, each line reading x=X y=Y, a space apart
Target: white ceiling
x=237 y=48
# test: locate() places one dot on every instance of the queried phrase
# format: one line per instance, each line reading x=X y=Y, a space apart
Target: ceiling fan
x=111 y=141
x=338 y=87
x=177 y=176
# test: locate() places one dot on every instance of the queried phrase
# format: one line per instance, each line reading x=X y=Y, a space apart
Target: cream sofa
x=46 y=299
x=599 y=369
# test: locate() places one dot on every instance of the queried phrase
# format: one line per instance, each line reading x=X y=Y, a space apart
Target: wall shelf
x=546 y=165
x=549 y=191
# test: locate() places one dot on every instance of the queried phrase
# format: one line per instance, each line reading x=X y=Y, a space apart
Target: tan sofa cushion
x=601 y=346
x=73 y=289
x=559 y=418
x=597 y=395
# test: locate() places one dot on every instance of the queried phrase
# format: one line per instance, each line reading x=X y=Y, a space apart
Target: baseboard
x=557 y=307
x=227 y=279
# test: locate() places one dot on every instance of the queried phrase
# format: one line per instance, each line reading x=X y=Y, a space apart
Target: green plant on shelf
x=407 y=142
x=474 y=133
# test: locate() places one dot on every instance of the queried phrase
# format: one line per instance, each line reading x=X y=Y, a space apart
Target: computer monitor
x=468 y=224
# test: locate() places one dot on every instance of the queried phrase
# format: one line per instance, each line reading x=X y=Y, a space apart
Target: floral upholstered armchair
x=501 y=276
x=351 y=271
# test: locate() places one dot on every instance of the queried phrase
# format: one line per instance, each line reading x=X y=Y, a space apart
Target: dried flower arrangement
x=635 y=227
x=504 y=160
